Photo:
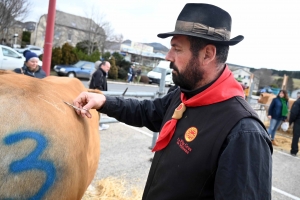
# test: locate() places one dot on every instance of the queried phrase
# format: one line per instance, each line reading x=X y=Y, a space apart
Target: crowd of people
x=134 y=75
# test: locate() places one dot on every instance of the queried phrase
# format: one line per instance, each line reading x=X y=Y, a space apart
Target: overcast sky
x=271 y=27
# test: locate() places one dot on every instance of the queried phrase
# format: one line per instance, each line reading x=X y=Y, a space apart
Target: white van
x=155 y=74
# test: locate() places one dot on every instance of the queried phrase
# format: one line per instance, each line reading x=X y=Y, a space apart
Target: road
x=125 y=153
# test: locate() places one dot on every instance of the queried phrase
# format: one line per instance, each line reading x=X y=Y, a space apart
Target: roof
x=234 y=70
x=75 y=22
x=128 y=49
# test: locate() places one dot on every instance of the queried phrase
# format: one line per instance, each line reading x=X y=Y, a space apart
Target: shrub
x=144 y=79
x=56 y=56
x=113 y=72
x=68 y=55
x=122 y=73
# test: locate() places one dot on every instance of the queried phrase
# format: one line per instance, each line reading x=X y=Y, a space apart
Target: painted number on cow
x=32 y=161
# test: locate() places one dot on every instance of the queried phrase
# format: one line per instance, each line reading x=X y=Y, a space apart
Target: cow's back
x=47 y=151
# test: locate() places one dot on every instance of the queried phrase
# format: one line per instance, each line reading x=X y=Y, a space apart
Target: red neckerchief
x=225 y=87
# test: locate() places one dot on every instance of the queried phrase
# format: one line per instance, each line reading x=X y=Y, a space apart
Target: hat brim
x=231 y=42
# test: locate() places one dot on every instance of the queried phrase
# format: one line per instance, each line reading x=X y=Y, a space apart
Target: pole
x=284 y=82
x=49 y=37
x=161 y=92
x=251 y=88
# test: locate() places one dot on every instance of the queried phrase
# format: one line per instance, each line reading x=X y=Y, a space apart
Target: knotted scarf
x=225 y=87
x=284 y=110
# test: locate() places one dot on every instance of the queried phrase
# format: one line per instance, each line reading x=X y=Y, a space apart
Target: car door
x=85 y=70
x=11 y=59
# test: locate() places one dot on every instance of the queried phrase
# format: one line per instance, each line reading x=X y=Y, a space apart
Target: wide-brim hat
x=204 y=21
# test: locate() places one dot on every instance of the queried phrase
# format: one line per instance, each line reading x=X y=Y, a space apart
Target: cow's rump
x=47 y=151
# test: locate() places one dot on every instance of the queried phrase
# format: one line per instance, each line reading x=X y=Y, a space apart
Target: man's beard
x=191 y=75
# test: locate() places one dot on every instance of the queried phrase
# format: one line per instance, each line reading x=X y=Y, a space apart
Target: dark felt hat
x=205 y=21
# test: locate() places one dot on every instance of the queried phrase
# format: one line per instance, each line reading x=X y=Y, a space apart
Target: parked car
x=81 y=69
x=39 y=51
x=155 y=74
x=10 y=59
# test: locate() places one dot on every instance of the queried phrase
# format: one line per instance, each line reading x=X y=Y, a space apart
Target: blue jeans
x=129 y=78
x=274 y=124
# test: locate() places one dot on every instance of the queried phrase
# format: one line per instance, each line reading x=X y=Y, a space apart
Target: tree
x=83 y=56
x=289 y=85
x=68 y=55
x=84 y=46
x=26 y=38
x=100 y=31
x=11 y=11
x=56 y=56
x=113 y=72
x=265 y=77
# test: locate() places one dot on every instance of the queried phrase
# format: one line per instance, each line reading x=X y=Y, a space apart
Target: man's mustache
x=173 y=66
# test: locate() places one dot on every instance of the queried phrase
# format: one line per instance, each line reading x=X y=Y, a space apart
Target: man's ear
x=210 y=52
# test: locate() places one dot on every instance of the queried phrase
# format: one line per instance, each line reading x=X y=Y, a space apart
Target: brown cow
x=47 y=151
x=266 y=98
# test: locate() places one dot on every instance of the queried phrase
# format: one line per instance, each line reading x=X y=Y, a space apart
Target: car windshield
x=79 y=64
x=157 y=69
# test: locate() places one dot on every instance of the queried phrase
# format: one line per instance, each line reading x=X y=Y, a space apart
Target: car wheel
x=71 y=75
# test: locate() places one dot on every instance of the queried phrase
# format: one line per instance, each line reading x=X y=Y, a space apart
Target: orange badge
x=190 y=134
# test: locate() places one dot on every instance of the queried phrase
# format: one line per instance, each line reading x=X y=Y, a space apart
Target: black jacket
x=99 y=80
x=244 y=162
x=40 y=73
x=295 y=113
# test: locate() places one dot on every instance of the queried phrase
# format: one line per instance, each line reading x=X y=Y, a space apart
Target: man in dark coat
x=295 y=118
x=99 y=77
x=99 y=82
x=211 y=144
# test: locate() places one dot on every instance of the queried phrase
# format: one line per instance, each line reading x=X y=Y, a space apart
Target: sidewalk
x=125 y=154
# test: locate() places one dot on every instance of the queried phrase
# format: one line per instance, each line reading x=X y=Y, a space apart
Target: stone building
x=68 y=28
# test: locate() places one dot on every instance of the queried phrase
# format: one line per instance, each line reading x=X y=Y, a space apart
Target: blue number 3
x=32 y=161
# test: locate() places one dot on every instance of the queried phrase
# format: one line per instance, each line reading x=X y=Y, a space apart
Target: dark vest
x=186 y=168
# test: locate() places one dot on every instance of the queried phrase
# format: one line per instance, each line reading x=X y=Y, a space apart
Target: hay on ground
x=112 y=189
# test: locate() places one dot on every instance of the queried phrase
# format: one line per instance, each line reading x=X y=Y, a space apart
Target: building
x=70 y=29
x=243 y=75
x=137 y=53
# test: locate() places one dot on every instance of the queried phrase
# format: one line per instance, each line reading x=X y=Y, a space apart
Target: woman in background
x=278 y=112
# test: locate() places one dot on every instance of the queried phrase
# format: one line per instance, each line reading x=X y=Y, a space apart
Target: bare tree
x=11 y=11
x=100 y=31
x=265 y=77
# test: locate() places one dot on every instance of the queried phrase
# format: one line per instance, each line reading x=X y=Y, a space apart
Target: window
x=9 y=53
x=69 y=36
x=87 y=66
x=56 y=34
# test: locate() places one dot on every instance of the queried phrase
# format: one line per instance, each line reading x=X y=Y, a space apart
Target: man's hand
x=87 y=101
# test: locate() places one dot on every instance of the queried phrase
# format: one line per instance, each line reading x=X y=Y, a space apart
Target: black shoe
x=293 y=154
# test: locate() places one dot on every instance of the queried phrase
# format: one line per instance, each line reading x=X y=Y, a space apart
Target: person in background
x=99 y=81
x=97 y=64
x=130 y=74
x=31 y=67
x=295 y=119
x=211 y=143
x=138 y=74
x=277 y=113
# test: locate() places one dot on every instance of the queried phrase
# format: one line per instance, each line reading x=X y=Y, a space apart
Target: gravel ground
x=125 y=154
